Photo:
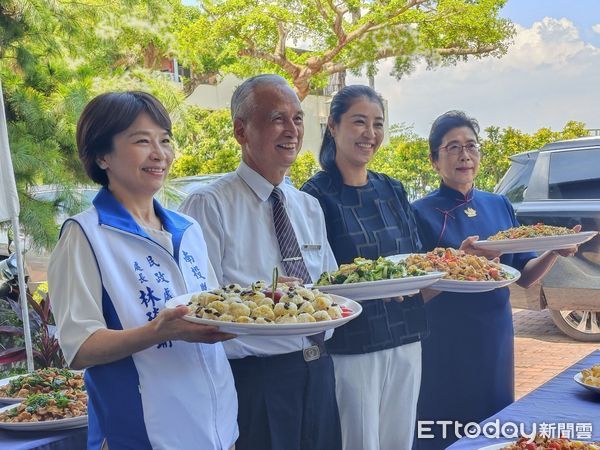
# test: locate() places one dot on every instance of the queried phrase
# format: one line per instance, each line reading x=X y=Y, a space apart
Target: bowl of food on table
x=41 y=381
x=46 y=399
x=589 y=378
x=540 y=442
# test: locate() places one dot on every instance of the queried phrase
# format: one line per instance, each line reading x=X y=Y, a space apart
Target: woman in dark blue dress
x=468 y=360
x=377 y=357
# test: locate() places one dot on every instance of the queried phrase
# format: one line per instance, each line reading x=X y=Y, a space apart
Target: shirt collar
x=255 y=181
x=114 y=214
x=449 y=192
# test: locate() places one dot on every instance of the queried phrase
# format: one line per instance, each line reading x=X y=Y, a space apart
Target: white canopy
x=9 y=210
x=9 y=201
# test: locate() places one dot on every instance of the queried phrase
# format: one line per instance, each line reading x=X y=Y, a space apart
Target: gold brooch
x=470 y=212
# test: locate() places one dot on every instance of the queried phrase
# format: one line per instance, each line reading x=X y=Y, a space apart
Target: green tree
x=205 y=142
x=51 y=65
x=305 y=166
x=500 y=144
x=406 y=158
x=308 y=40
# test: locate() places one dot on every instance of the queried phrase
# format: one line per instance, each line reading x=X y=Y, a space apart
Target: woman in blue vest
x=468 y=361
x=377 y=357
x=153 y=379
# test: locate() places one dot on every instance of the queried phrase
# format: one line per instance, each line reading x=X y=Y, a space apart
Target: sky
x=550 y=74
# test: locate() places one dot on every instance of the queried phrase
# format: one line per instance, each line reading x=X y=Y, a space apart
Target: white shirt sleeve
x=211 y=278
x=329 y=261
x=75 y=290
x=201 y=206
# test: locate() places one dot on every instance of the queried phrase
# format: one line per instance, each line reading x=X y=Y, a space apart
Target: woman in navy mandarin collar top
x=377 y=357
x=468 y=360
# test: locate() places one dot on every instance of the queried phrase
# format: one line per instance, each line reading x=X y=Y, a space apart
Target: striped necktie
x=292 y=260
x=293 y=263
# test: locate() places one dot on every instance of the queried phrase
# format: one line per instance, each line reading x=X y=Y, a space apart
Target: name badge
x=293 y=258
x=311 y=246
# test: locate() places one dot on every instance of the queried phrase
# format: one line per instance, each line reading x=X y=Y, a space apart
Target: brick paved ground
x=542 y=350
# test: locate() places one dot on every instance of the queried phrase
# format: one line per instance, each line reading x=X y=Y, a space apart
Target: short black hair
x=340 y=104
x=446 y=122
x=107 y=115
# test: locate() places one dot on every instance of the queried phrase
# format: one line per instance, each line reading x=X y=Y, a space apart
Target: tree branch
x=345 y=39
x=331 y=68
x=461 y=51
x=338 y=25
x=282 y=36
x=322 y=10
x=284 y=63
x=405 y=8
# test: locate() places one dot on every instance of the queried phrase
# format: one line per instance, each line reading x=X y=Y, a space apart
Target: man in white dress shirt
x=285 y=402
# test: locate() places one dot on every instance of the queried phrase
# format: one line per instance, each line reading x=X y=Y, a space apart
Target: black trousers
x=286 y=403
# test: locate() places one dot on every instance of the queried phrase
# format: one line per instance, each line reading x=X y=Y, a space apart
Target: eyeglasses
x=455 y=149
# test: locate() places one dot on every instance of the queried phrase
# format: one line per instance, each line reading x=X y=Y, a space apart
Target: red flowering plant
x=46 y=351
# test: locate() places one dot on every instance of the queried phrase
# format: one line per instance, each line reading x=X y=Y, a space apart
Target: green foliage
x=205 y=142
x=500 y=145
x=51 y=65
x=306 y=40
x=406 y=157
x=306 y=166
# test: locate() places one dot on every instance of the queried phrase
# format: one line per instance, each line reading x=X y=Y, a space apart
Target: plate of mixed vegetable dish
x=544 y=443
x=462 y=272
x=534 y=238
x=367 y=279
x=42 y=381
x=51 y=411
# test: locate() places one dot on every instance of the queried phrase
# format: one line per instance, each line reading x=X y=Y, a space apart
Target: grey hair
x=242 y=96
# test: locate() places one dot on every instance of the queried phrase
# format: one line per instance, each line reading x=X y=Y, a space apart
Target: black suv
x=559 y=184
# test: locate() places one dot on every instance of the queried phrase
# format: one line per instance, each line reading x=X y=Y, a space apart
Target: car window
x=45 y=196
x=574 y=174
x=515 y=181
x=80 y=198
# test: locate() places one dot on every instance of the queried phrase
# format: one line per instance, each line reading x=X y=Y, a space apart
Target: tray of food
x=367 y=279
x=41 y=381
x=263 y=311
x=534 y=238
x=544 y=443
x=589 y=378
x=52 y=411
x=463 y=272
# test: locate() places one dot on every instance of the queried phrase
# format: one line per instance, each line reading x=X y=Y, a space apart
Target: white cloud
x=548 y=76
x=596 y=28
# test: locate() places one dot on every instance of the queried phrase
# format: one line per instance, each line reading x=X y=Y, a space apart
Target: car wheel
x=580 y=325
